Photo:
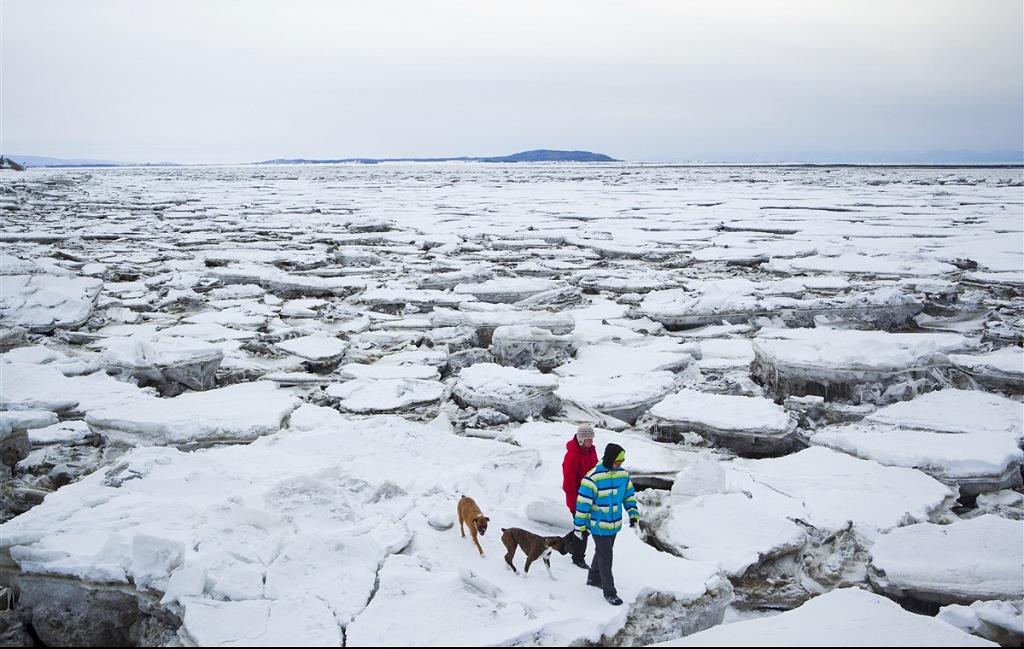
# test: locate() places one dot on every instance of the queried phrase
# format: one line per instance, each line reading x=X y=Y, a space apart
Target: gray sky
x=218 y=81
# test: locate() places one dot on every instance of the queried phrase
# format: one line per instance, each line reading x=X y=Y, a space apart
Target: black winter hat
x=610 y=453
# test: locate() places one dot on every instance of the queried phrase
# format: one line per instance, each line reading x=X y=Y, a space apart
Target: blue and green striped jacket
x=602 y=496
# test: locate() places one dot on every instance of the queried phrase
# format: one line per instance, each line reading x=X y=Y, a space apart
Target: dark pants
x=579 y=550
x=601 y=566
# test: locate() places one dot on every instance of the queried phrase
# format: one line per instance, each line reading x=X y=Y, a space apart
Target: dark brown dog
x=534 y=546
x=474 y=519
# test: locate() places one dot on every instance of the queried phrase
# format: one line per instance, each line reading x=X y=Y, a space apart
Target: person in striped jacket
x=603 y=495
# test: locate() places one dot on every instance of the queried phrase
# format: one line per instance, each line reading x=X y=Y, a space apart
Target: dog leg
x=472 y=532
x=508 y=560
x=547 y=564
x=526 y=568
x=461 y=529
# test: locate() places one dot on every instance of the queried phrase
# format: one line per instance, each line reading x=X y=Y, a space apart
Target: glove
x=633 y=522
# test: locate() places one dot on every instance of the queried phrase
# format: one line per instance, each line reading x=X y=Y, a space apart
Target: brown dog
x=534 y=546
x=474 y=519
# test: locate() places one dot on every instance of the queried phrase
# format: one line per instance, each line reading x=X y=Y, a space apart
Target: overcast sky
x=217 y=81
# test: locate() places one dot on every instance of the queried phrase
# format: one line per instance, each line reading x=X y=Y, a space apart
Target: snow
x=236 y=412
x=518 y=393
x=266 y=515
x=987 y=619
x=833 y=488
x=846 y=617
x=837 y=351
x=625 y=396
x=973 y=559
x=1008 y=361
x=295 y=531
x=47 y=302
x=27 y=387
x=384 y=371
x=723 y=413
x=613 y=359
x=948 y=457
x=317 y=347
x=366 y=395
x=956 y=411
x=506 y=289
x=136 y=352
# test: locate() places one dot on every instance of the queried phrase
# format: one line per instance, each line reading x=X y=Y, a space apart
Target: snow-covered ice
x=276 y=502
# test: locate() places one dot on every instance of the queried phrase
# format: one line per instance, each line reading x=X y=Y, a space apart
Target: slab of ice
x=966 y=438
x=318 y=347
x=748 y=425
x=795 y=300
x=730 y=529
x=234 y=541
x=419 y=297
x=25 y=419
x=382 y=370
x=507 y=290
x=25 y=386
x=47 y=302
x=625 y=397
x=34 y=354
x=433 y=357
x=285 y=284
x=626 y=281
x=958 y=563
x=1001 y=622
x=844 y=617
x=75 y=431
x=525 y=346
x=235 y=413
x=210 y=332
x=973 y=463
x=725 y=354
x=366 y=395
x=858 y=366
x=856 y=263
x=518 y=393
x=956 y=411
x=492 y=606
x=443 y=281
x=235 y=318
x=1001 y=370
x=310 y=417
x=613 y=359
x=168 y=364
x=834 y=488
x=556 y=323
x=261 y=622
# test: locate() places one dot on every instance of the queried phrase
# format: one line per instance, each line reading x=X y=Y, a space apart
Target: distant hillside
x=536 y=155
x=551 y=155
x=7 y=163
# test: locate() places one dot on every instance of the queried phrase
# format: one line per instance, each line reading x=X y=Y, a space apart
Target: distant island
x=535 y=155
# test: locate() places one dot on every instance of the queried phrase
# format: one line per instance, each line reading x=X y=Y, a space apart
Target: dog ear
x=486 y=519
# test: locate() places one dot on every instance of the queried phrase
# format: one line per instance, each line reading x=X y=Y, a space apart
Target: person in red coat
x=580 y=458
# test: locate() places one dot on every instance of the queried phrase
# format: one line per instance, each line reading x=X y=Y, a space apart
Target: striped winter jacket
x=602 y=496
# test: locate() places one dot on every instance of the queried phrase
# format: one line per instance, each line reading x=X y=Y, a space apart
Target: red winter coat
x=577 y=463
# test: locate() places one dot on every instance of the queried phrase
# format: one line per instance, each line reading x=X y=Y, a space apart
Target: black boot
x=578 y=561
x=614 y=600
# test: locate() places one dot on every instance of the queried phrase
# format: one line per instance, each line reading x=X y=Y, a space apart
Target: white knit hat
x=584 y=431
